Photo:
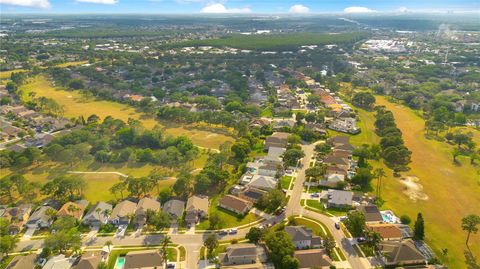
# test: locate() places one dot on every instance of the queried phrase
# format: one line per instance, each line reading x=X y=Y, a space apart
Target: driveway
x=29 y=233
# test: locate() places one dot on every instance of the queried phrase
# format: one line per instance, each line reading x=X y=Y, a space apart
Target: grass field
x=75 y=105
x=274 y=41
x=7 y=74
x=453 y=190
x=228 y=219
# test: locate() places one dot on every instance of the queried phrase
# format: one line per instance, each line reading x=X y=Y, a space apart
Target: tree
x=379 y=173
x=329 y=244
x=280 y=245
x=7 y=244
x=419 y=229
x=469 y=224
x=63 y=240
x=470 y=260
x=271 y=200
x=211 y=243
x=316 y=172
x=289 y=262
x=291 y=157
x=374 y=239
x=355 y=223
x=166 y=240
x=214 y=221
x=109 y=244
x=254 y=235
x=363 y=99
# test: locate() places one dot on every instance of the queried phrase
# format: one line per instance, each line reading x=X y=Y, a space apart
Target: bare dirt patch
x=413 y=189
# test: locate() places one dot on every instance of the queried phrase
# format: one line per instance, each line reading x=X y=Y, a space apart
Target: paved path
x=113 y=172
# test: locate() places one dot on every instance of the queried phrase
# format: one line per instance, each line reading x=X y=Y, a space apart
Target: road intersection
x=193 y=242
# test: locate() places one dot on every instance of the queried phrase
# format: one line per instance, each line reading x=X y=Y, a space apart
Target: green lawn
x=316 y=229
x=228 y=219
x=75 y=105
x=285 y=182
x=368 y=251
x=452 y=190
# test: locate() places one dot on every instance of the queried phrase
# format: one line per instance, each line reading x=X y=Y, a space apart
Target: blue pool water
x=387 y=218
x=120 y=263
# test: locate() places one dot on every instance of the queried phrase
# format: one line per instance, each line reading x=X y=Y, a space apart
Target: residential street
x=193 y=242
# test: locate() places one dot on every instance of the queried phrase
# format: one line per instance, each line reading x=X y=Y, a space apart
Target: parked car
x=361 y=240
x=315 y=195
x=337 y=225
x=233 y=231
x=170 y=266
x=222 y=233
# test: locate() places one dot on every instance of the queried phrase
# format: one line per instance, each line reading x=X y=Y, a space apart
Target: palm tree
x=469 y=224
x=106 y=213
x=72 y=209
x=109 y=244
x=379 y=173
x=155 y=176
x=164 y=243
x=374 y=240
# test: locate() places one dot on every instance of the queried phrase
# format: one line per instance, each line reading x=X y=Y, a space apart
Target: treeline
x=394 y=152
x=115 y=141
x=276 y=42
x=184 y=115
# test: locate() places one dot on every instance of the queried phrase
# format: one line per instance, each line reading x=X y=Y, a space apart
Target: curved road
x=193 y=242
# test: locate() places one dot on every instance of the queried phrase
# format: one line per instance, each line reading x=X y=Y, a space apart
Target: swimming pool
x=120 y=263
x=389 y=217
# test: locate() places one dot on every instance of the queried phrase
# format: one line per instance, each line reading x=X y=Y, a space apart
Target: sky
x=236 y=6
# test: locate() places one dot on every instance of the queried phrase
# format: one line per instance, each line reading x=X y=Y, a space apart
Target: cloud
x=103 y=2
x=219 y=8
x=27 y=3
x=403 y=10
x=358 y=10
x=299 y=9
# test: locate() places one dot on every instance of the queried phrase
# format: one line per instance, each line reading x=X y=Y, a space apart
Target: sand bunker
x=413 y=189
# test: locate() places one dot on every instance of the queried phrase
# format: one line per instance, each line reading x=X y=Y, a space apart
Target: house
x=276 y=151
x=338 y=198
x=17 y=216
x=91 y=260
x=371 y=213
x=339 y=140
x=146 y=259
x=197 y=209
x=313 y=258
x=40 y=218
x=401 y=253
x=263 y=182
x=269 y=170
x=98 y=214
x=331 y=180
x=302 y=237
x=332 y=159
x=60 y=262
x=387 y=231
x=239 y=254
x=122 y=212
x=318 y=128
x=145 y=204
x=174 y=208
x=277 y=139
x=251 y=194
x=279 y=125
x=40 y=140
x=73 y=209
x=235 y=204
x=23 y=262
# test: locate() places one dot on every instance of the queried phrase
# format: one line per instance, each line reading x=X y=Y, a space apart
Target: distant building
x=313 y=258
x=401 y=253
x=40 y=218
x=146 y=259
